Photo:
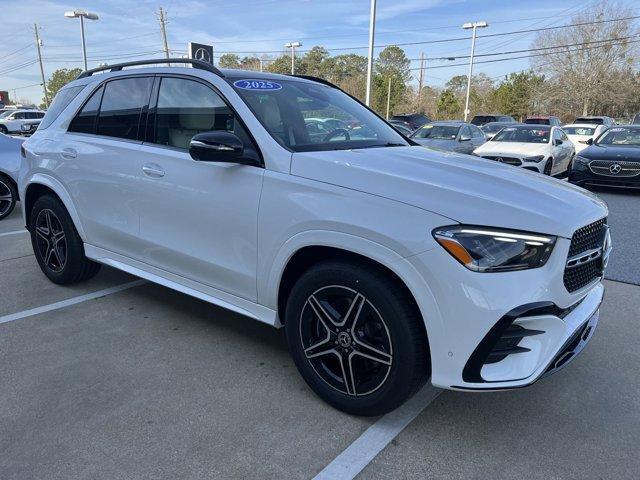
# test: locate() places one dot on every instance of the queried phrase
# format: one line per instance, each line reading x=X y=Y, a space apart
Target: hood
x=612 y=152
x=437 y=143
x=512 y=148
x=463 y=188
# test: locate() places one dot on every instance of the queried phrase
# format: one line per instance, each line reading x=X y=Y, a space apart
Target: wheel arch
x=308 y=248
x=41 y=185
x=6 y=177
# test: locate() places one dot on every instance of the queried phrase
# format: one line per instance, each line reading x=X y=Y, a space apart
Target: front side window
x=62 y=99
x=523 y=135
x=122 y=104
x=438 y=132
x=288 y=108
x=186 y=108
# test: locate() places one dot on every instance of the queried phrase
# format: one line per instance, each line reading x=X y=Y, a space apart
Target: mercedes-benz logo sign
x=615 y=168
x=203 y=55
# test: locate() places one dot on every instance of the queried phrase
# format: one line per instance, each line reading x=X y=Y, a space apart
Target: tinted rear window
x=482 y=119
x=122 y=104
x=537 y=121
x=593 y=121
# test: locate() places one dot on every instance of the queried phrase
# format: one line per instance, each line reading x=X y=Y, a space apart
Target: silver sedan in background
x=9 y=167
x=451 y=136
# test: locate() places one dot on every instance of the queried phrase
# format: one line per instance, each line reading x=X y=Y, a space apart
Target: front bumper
x=583 y=176
x=517 y=161
x=471 y=307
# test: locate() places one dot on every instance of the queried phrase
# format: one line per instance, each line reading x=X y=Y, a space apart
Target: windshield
x=620 y=136
x=437 y=132
x=523 y=135
x=304 y=116
x=492 y=127
x=579 y=130
x=6 y=114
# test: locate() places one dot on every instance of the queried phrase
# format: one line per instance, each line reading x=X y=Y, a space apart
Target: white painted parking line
x=70 y=301
x=15 y=232
x=375 y=438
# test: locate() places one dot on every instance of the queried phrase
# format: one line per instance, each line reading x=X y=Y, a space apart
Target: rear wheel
x=356 y=337
x=8 y=197
x=548 y=167
x=57 y=246
x=3 y=129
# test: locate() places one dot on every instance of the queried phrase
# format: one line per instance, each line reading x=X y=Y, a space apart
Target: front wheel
x=548 y=167
x=356 y=337
x=3 y=129
x=57 y=246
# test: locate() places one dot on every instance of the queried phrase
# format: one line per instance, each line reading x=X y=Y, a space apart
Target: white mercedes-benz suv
x=386 y=263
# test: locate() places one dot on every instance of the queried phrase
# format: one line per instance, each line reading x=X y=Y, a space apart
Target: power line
x=4 y=57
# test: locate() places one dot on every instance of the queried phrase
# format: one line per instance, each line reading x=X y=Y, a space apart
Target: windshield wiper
x=388 y=144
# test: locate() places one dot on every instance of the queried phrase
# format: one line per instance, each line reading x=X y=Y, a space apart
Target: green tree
x=314 y=62
x=229 y=60
x=448 y=105
x=282 y=64
x=392 y=65
x=59 y=79
x=514 y=96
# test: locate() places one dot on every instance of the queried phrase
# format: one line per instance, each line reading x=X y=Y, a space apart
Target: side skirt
x=183 y=285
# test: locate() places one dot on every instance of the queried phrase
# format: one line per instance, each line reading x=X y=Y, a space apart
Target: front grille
x=606 y=168
x=508 y=160
x=584 y=239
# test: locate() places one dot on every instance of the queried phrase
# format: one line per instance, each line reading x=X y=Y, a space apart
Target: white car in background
x=12 y=121
x=580 y=133
x=540 y=148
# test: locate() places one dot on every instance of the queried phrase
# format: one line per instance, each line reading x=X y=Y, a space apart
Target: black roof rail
x=119 y=66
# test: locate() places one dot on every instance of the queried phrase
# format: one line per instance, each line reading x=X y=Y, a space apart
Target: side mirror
x=589 y=141
x=216 y=146
x=557 y=142
x=465 y=139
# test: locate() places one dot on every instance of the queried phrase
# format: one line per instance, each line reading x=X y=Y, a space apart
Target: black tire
x=548 y=167
x=387 y=320
x=8 y=196
x=3 y=129
x=50 y=224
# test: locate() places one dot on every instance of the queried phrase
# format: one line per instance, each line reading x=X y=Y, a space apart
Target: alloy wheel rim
x=51 y=240
x=6 y=198
x=346 y=340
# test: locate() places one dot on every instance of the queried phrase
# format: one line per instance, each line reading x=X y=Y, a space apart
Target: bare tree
x=587 y=64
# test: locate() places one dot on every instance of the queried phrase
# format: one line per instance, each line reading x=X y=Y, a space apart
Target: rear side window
x=85 y=120
x=62 y=100
x=122 y=104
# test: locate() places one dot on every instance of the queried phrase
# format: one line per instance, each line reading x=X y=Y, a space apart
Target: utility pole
x=388 y=97
x=372 y=34
x=44 y=83
x=162 y=18
x=421 y=78
x=292 y=46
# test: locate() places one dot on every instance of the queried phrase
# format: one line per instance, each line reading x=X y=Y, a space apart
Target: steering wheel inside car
x=335 y=133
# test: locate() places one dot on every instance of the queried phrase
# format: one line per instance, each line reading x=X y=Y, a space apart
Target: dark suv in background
x=411 y=120
x=479 y=120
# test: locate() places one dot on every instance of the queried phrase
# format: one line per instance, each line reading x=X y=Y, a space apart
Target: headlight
x=495 y=250
x=535 y=158
x=582 y=160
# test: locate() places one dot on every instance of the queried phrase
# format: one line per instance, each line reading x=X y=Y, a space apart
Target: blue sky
x=128 y=28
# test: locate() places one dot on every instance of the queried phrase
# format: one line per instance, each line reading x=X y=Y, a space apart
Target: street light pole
x=372 y=34
x=292 y=46
x=473 y=26
x=81 y=14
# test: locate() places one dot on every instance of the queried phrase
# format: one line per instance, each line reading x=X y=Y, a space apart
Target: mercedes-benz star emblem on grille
x=615 y=168
x=203 y=55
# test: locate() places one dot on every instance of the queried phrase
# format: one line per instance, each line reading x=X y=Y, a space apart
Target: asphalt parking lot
x=149 y=383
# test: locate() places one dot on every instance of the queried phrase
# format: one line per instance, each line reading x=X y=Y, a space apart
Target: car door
x=14 y=121
x=464 y=144
x=559 y=152
x=477 y=137
x=198 y=219
x=99 y=159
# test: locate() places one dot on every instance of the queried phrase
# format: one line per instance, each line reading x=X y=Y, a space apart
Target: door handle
x=69 y=153
x=153 y=170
